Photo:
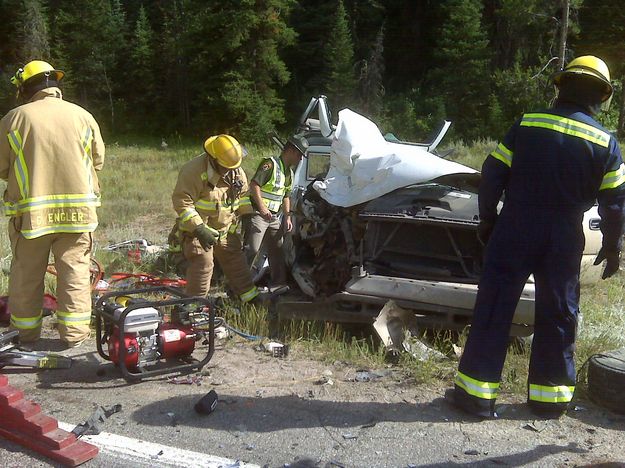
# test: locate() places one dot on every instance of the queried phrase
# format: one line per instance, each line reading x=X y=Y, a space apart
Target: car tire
x=606 y=379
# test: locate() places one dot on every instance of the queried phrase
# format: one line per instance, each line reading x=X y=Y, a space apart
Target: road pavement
x=298 y=412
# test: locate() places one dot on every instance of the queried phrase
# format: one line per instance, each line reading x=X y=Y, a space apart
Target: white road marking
x=152 y=454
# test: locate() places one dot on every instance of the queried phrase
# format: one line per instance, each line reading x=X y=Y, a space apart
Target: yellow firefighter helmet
x=226 y=150
x=35 y=68
x=587 y=65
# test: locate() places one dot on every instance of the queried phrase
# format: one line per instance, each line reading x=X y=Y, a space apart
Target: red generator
x=154 y=331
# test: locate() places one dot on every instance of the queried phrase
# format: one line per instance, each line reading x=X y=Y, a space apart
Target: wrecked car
x=379 y=219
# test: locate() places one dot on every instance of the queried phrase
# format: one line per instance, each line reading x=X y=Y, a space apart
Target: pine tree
x=34 y=31
x=463 y=75
x=141 y=74
x=89 y=37
x=250 y=70
x=340 y=77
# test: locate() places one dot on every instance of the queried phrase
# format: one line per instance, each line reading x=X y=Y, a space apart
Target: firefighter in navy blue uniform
x=552 y=166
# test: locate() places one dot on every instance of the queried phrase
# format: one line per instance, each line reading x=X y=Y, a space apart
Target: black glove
x=613 y=260
x=206 y=236
x=484 y=230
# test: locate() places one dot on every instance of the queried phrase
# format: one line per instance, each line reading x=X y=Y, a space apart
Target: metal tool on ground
x=91 y=425
x=153 y=331
x=11 y=355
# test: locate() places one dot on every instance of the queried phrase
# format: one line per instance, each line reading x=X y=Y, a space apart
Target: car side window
x=318 y=165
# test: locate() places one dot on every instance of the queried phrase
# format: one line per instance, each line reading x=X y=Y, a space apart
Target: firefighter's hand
x=206 y=236
x=484 y=230
x=613 y=260
x=288 y=224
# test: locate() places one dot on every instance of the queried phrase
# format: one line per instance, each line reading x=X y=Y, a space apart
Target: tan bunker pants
x=231 y=259
x=72 y=253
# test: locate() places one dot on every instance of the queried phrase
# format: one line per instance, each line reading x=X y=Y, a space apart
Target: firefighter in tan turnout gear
x=209 y=197
x=50 y=150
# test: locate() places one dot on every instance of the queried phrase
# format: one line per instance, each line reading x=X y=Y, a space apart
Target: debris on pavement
x=536 y=426
x=419 y=350
x=91 y=425
x=471 y=452
x=325 y=379
x=185 y=380
x=367 y=376
x=276 y=349
x=207 y=403
x=222 y=333
x=391 y=323
x=349 y=436
x=173 y=418
x=397 y=328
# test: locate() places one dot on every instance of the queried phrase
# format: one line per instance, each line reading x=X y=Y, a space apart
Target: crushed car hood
x=364 y=166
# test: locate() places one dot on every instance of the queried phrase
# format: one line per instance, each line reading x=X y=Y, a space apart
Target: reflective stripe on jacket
x=273 y=191
x=560 y=158
x=277 y=187
x=50 y=150
x=201 y=197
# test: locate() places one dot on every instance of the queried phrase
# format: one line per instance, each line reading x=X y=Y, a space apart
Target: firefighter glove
x=484 y=230
x=207 y=236
x=613 y=260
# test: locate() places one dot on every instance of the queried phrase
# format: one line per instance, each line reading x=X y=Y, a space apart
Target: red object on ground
x=49 y=303
x=23 y=423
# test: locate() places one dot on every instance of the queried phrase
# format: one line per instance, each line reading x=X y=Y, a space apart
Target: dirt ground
x=294 y=411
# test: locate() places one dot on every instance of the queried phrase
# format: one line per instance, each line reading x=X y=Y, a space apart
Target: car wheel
x=606 y=379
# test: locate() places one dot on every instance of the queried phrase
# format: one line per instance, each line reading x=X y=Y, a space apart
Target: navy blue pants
x=548 y=244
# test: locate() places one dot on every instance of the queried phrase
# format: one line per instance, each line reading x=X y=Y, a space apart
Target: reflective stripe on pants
x=26 y=284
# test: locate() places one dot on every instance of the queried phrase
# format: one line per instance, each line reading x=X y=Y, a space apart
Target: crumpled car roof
x=364 y=166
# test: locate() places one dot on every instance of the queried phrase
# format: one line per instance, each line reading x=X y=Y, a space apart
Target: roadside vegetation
x=137 y=182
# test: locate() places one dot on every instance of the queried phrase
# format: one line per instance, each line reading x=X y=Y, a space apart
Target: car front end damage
x=378 y=220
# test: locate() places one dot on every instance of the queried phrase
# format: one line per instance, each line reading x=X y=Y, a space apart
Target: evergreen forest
x=248 y=67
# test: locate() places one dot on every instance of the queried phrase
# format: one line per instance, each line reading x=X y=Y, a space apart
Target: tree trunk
x=109 y=91
x=564 y=28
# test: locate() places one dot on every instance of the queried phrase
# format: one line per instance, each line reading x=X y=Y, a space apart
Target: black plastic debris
x=207 y=403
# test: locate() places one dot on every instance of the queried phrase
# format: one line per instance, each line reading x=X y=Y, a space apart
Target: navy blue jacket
x=559 y=159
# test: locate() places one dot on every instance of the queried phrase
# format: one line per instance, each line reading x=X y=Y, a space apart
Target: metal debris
x=276 y=349
x=91 y=425
x=536 y=426
x=185 y=380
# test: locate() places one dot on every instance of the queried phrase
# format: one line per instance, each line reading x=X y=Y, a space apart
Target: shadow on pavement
x=268 y=414
x=517 y=459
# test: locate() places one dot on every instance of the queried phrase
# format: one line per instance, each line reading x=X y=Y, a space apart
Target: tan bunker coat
x=201 y=196
x=50 y=150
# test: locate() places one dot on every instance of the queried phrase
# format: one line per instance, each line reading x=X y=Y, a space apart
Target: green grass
x=137 y=182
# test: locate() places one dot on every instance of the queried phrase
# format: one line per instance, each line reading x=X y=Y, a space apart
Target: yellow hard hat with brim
x=587 y=65
x=226 y=150
x=35 y=68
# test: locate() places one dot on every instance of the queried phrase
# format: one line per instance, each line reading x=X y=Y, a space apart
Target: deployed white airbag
x=364 y=166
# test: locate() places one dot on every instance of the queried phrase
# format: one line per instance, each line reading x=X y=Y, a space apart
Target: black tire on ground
x=606 y=379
